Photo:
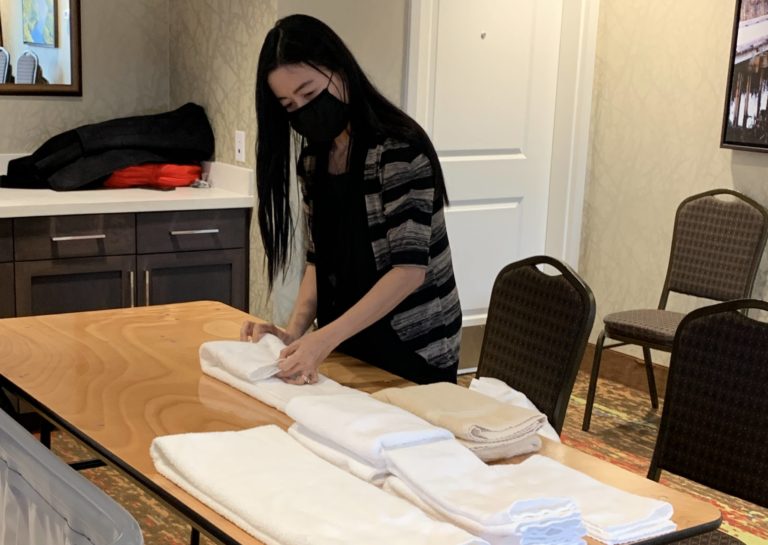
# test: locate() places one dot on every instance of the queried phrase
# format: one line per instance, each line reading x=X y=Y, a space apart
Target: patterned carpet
x=623 y=432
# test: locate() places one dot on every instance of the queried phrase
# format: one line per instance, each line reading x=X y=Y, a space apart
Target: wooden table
x=117 y=379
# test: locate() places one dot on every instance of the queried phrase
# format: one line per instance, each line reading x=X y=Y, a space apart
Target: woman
x=378 y=277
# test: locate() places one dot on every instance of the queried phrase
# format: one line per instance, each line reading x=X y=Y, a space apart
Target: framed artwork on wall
x=39 y=22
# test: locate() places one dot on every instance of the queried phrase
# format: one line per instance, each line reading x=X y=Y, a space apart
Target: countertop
x=232 y=187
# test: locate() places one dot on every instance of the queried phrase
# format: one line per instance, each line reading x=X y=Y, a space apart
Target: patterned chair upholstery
x=43 y=500
x=5 y=63
x=536 y=332
x=26 y=68
x=714 y=426
x=716 y=249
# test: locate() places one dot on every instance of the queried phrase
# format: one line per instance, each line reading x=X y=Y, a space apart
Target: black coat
x=89 y=154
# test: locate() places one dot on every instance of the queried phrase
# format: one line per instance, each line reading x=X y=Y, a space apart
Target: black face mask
x=321 y=119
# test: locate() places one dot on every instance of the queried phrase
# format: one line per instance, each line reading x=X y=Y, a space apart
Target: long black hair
x=301 y=39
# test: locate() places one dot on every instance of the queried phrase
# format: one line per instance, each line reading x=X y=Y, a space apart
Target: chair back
x=714 y=426
x=43 y=500
x=5 y=62
x=26 y=68
x=716 y=246
x=536 y=332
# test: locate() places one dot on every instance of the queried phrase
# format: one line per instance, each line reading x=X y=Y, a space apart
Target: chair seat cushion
x=645 y=325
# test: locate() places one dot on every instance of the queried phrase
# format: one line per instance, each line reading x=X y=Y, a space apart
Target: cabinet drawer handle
x=195 y=232
x=78 y=237
x=146 y=287
x=132 y=275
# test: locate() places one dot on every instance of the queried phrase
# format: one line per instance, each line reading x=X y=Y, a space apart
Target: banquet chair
x=5 y=64
x=26 y=68
x=536 y=332
x=714 y=425
x=716 y=249
x=43 y=500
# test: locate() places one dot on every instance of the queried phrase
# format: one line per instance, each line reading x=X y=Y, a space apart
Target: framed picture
x=39 y=22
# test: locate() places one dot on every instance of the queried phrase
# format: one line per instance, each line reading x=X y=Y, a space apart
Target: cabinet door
x=6 y=241
x=216 y=275
x=6 y=291
x=74 y=285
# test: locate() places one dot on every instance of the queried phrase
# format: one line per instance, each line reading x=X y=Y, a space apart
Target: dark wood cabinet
x=6 y=241
x=216 y=275
x=60 y=237
x=100 y=261
x=163 y=232
x=7 y=299
x=52 y=286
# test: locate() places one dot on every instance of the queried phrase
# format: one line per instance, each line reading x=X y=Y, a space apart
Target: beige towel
x=490 y=452
x=490 y=428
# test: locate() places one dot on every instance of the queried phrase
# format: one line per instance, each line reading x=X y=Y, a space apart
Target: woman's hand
x=252 y=332
x=301 y=358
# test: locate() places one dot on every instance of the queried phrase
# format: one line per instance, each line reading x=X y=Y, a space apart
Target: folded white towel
x=457 y=483
x=362 y=425
x=452 y=479
x=272 y=391
x=564 y=528
x=251 y=362
x=610 y=515
x=501 y=391
x=337 y=456
x=276 y=490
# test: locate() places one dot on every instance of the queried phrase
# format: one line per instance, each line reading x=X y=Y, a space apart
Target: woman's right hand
x=252 y=332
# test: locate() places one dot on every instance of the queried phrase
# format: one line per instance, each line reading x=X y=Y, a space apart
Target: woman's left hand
x=301 y=358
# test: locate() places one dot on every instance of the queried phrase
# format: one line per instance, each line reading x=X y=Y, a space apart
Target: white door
x=483 y=79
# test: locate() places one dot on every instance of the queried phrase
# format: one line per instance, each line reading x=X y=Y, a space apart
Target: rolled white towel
x=247 y=361
x=278 y=491
x=362 y=425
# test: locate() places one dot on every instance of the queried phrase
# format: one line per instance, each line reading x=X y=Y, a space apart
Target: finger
x=246 y=330
x=288 y=351
x=297 y=379
x=288 y=367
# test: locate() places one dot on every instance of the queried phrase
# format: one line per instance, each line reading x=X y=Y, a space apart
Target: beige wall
x=659 y=90
x=125 y=72
x=214 y=50
x=373 y=30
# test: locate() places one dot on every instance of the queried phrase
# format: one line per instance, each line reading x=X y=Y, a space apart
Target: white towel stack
x=362 y=426
x=250 y=367
x=493 y=430
x=279 y=492
x=487 y=500
x=610 y=515
x=445 y=479
x=501 y=391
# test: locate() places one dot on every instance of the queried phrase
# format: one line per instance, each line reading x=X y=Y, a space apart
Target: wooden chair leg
x=651 y=378
x=593 y=381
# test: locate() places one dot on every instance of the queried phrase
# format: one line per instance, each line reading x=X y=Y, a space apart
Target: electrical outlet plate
x=240 y=146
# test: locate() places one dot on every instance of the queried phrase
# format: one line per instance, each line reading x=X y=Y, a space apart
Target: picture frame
x=40 y=22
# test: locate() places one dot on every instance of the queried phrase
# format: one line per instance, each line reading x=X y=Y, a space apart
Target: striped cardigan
x=406 y=227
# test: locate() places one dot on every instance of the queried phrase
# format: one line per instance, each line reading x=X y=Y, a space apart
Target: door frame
x=573 y=108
